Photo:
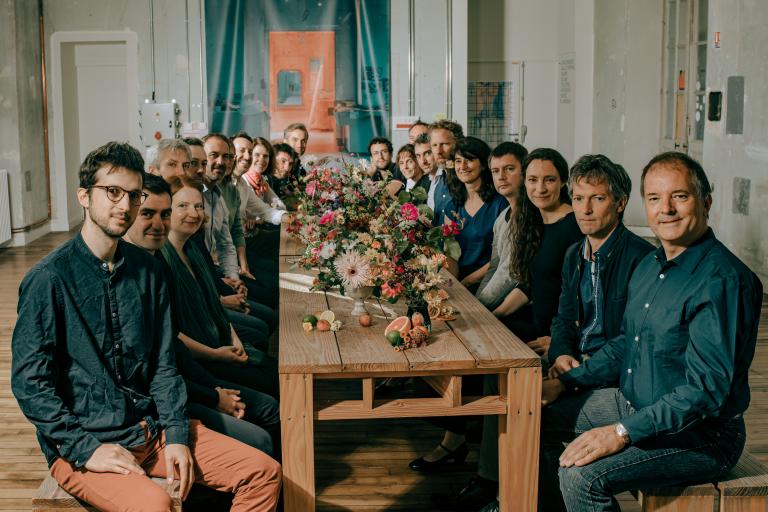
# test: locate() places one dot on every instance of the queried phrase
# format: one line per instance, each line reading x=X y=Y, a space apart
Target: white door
x=95 y=102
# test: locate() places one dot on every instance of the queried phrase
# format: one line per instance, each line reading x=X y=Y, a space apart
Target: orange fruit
x=400 y=324
x=323 y=325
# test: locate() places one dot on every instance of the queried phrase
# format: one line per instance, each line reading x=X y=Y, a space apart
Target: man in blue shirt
x=93 y=366
x=682 y=361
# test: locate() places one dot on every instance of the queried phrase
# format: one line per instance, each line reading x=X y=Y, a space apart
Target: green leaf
x=452 y=249
x=426 y=211
x=403 y=197
x=419 y=194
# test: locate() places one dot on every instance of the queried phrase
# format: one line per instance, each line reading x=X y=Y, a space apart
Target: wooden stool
x=50 y=497
x=693 y=498
x=745 y=488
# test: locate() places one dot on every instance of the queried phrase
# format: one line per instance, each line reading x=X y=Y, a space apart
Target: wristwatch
x=622 y=432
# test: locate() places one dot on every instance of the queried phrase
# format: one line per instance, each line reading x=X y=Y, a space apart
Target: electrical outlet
x=28 y=181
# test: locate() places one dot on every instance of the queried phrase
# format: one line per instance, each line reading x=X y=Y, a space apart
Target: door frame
x=61 y=197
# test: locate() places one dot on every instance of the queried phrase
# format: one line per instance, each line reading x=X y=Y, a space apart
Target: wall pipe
x=152 y=42
x=449 y=60
x=189 y=73
x=412 y=57
x=44 y=93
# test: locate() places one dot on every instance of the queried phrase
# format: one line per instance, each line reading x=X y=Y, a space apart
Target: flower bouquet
x=357 y=236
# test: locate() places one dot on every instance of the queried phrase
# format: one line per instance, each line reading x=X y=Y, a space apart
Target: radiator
x=5 y=208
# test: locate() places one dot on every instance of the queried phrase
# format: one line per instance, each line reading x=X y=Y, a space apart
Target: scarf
x=257 y=182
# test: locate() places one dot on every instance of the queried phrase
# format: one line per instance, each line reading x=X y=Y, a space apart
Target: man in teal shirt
x=682 y=363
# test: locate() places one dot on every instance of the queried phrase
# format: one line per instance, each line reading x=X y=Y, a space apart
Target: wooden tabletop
x=476 y=340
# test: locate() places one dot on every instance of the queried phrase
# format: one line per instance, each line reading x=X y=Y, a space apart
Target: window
x=289 y=87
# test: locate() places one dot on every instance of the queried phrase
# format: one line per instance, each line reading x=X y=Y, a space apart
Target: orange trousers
x=221 y=463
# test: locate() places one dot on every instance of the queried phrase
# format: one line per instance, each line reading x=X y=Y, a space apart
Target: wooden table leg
x=296 y=425
x=519 y=441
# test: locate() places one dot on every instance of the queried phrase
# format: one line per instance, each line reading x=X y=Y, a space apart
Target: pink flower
x=393 y=290
x=327 y=218
x=409 y=212
x=311 y=188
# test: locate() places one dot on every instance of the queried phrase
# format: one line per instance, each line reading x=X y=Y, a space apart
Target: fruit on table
x=394 y=338
x=400 y=324
x=323 y=325
x=307 y=326
x=365 y=320
x=328 y=316
x=311 y=319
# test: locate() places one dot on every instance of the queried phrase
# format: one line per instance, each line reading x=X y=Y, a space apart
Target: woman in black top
x=543 y=230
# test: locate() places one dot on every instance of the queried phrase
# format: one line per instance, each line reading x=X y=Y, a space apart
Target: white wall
x=177 y=68
x=430 y=57
x=504 y=33
x=742 y=25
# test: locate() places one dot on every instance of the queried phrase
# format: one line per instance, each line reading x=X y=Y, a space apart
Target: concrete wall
x=627 y=80
x=742 y=25
x=21 y=125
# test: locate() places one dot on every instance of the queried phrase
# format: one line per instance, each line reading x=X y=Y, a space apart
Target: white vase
x=359 y=294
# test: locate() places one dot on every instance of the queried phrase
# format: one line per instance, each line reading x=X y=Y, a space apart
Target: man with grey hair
x=169 y=158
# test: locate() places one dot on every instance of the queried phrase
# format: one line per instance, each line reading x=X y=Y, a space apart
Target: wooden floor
x=360 y=465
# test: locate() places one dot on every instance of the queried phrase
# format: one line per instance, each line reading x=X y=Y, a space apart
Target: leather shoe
x=476 y=495
x=457 y=456
x=491 y=507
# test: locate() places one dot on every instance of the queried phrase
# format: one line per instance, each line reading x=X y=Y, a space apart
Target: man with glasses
x=382 y=166
x=93 y=365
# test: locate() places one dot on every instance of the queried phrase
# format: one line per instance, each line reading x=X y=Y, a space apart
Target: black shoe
x=491 y=507
x=478 y=493
x=457 y=456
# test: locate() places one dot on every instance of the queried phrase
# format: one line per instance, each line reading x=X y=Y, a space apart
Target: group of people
x=141 y=345
x=162 y=307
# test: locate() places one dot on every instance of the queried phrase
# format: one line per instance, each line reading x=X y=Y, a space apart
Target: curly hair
x=472 y=148
x=528 y=224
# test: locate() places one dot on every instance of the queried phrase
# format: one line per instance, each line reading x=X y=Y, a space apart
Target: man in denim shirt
x=93 y=366
x=681 y=360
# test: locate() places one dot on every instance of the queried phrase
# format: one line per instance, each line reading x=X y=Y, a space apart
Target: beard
x=103 y=223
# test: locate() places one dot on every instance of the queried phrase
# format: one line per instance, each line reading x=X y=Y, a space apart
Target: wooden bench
x=744 y=489
x=50 y=497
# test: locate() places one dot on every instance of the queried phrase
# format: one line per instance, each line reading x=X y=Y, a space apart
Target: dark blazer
x=620 y=263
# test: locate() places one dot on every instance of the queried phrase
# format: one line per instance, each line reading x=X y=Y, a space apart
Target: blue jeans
x=699 y=454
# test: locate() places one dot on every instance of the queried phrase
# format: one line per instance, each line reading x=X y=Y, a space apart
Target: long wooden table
x=475 y=343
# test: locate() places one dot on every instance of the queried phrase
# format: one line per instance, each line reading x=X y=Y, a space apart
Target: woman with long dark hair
x=544 y=228
x=475 y=207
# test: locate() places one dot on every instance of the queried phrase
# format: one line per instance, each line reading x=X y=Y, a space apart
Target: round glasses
x=116 y=194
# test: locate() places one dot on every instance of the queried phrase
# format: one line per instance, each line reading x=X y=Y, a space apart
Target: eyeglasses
x=116 y=194
x=383 y=152
x=195 y=163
